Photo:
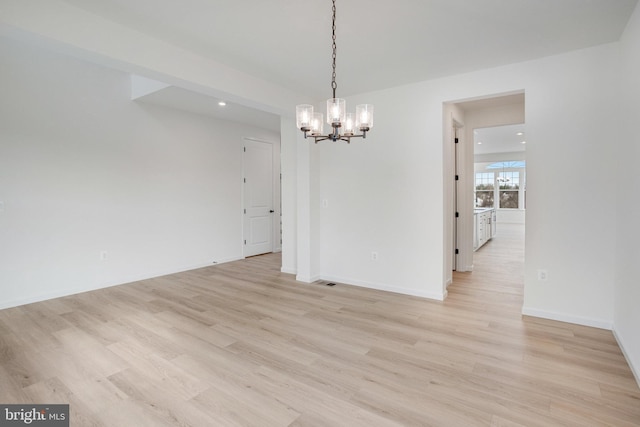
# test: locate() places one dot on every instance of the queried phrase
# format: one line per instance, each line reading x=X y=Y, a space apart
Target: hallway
x=497 y=279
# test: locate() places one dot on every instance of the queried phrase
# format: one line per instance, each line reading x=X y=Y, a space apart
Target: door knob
x=271 y=211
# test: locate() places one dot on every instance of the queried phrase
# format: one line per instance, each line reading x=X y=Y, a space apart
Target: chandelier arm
x=332 y=137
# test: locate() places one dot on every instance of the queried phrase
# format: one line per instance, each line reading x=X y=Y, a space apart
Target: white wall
x=386 y=194
x=289 y=195
x=627 y=289
x=83 y=169
x=571 y=132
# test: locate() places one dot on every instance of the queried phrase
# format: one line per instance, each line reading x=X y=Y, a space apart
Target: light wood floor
x=243 y=344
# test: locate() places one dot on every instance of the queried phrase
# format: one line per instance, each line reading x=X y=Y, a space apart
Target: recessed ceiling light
x=519 y=133
x=523 y=142
x=479 y=143
x=222 y=103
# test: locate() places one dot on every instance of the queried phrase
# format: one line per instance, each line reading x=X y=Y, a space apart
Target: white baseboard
x=51 y=295
x=563 y=317
x=635 y=370
x=288 y=270
x=121 y=281
x=387 y=288
x=307 y=279
x=220 y=261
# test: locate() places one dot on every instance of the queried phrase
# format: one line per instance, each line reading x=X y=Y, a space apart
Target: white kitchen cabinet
x=484 y=226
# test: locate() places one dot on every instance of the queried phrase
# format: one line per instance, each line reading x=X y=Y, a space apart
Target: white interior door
x=258 y=198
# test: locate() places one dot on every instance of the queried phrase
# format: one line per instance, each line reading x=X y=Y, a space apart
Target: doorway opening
x=488 y=132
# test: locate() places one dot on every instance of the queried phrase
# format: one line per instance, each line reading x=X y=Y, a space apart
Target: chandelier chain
x=344 y=126
x=334 y=85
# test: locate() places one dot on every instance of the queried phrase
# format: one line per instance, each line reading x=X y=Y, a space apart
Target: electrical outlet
x=103 y=255
x=543 y=275
x=325 y=203
x=374 y=256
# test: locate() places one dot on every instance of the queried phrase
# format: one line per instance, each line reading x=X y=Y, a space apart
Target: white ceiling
x=198 y=103
x=499 y=139
x=381 y=44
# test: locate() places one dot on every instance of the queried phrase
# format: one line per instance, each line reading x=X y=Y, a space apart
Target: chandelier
x=312 y=123
x=502 y=179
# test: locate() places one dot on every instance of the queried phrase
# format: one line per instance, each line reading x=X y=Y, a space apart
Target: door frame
x=459 y=175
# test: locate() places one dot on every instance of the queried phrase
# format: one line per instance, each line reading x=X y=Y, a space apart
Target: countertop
x=480 y=210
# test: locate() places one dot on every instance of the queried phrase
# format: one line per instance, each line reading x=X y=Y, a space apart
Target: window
x=500 y=185
x=509 y=185
x=485 y=189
